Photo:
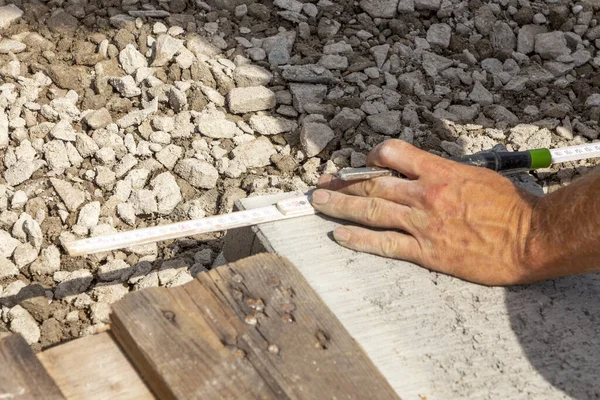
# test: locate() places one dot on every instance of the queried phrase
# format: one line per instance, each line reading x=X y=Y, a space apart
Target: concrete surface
x=439 y=337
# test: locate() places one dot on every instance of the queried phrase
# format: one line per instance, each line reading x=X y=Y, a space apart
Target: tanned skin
x=465 y=221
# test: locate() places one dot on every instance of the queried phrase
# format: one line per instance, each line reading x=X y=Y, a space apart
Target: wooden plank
x=439 y=337
x=253 y=330
x=94 y=367
x=22 y=376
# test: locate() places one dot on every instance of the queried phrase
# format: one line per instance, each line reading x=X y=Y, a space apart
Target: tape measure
x=284 y=209
x=575 y=153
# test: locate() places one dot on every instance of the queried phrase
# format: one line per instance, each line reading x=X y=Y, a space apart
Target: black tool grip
x=505 y=162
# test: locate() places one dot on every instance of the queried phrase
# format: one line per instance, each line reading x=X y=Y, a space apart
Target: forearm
x=565 y=231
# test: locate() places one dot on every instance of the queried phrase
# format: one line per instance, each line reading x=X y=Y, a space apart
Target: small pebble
x=273 y=348
x=287 y=317
x=251 y=320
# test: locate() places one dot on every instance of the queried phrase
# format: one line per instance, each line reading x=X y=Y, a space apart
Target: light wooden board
x=22 y=376
x=439 y=337
x=208 y=339
x=94 y=368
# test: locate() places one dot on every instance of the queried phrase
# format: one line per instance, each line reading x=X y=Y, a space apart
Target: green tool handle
x=508 y=162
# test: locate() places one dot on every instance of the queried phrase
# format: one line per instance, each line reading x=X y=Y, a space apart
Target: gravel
x=116 y=116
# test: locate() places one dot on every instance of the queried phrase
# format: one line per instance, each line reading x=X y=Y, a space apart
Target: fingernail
x=324 y=180
x=341 y=235
x=320 y=197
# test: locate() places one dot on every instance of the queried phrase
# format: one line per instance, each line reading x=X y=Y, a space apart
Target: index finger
x=402 y=157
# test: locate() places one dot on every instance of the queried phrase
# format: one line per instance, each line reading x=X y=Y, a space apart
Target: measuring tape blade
x=574 y=153
x=284 y=209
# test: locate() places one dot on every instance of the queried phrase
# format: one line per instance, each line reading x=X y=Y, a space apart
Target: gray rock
x=526 y=37
x=89 y=215
x=581 y=57
x=200 y=46
x=501 y=114
x=48 y=262
x=33 y=232
x=63 y=131
x=480 y=95
x=97 y=119
x=24 y=255
x=525 y=137
x=333 y=61
x=558 y=69
x=55 y=154
x=303 y=94
x=100 y=312
x=169 y=155
x=163 y=123
x=254 y=154
x=105 y=177
x=380 y=8
x=7 y=268
x=167 y=193
x=9 y=14
x=4 y=139
x=22 y=171
x=23 y=323
x=165 y=49
x=267 y=125
x=387 y=123
x=85 y=145
x=434 y=64
x=431 y=5
x=126 y=86
x=314 y=137
x=439 y=35
x=551 y=45
x=214 y=124
x=338 y=48
x=8 y=244
x=197 y=173
x=380 y=54
x=251 y=75
x=327 y=28
x=125 y=165
x=593 y=100
x=11 y=46
x=291 y=5
x=72 y=197
x=126 y=212
x=503 y=38
x=406 y=6
x=277 y=50
x=346 y=119
x=248 y=99
x=131 y=59
x=143 y=201
x=309 y=73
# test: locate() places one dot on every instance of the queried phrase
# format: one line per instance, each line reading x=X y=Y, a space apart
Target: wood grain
x=22 y=376
x=94 y=367
x=200 y=341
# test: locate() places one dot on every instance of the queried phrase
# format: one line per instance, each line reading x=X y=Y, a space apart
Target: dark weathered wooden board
x=211 y=338
x=22 y=376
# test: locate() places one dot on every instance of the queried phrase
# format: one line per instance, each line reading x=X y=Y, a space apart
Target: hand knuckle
x=387 y=247
x=372 y=212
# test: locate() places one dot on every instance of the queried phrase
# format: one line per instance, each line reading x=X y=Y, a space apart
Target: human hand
x=461 y=220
